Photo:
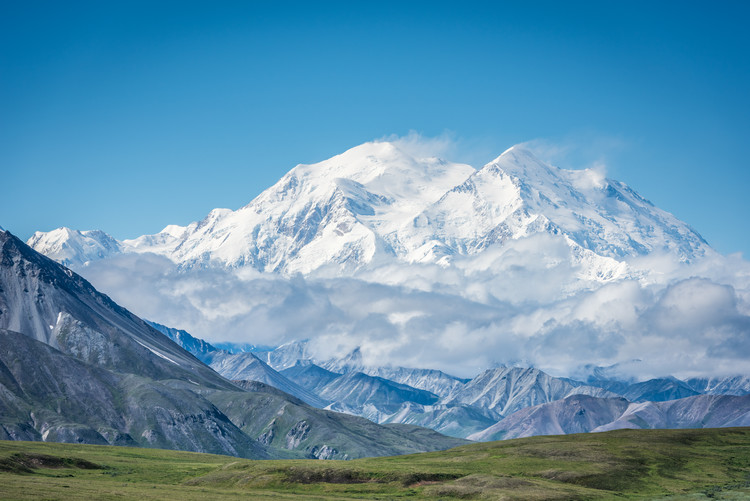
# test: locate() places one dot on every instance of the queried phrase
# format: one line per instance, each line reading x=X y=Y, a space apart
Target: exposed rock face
x=307 y=429
x=244 y=366
x=247 y=366
x=730 y=385
x=658 y=390
x=468 y=407
x=297 y=434
x=267 y=437
x=324 y=452
x=51 y=304
x=309 y=376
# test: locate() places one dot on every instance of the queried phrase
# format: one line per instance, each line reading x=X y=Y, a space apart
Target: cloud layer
x=523 y=303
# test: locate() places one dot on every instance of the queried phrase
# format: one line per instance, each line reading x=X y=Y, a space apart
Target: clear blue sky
x=128 y=116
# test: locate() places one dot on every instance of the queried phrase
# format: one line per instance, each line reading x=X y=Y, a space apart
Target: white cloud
x=511 y=304
x=448 y=146
x=582 y=150
x=419 y=146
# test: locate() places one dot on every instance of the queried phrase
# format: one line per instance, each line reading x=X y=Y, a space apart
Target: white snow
x=161 y=355
x=376 y=204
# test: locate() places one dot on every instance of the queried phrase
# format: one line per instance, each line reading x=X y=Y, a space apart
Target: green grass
x=624 y=464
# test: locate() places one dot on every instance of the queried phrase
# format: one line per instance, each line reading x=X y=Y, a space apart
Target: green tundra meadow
x=622 y=464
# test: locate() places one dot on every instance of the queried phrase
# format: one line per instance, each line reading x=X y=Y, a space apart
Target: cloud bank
x=516 y=304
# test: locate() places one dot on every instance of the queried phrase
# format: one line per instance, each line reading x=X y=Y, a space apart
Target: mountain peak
x=74 y=247
x=519 y=162
x=516 y=149
x=523 y=163
x=378 y=203
x=597 y=214
x=383 y=168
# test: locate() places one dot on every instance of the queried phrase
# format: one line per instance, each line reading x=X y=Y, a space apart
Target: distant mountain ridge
x=388 y=221
x=238 y=366
x=584 y=414
x=475 y=408
x=77 y=367
x=377 y=204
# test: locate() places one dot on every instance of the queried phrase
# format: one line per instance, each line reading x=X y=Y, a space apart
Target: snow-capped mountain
x=73 y=247
x=599 y=214
x=728 y=385
x=397 y=251
x=432 y=380
x=372 y=397
x=505 y=390
x=462 y=408
x=377 y=204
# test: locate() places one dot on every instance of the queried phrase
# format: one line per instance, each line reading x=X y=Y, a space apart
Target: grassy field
x=624 y=464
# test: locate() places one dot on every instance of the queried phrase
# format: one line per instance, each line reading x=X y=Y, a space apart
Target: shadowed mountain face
x=246 y=366
x=51 y=304
x=356 y=390
x=658 y=390
x=48 y=395
x=76 y=367
x=310 y=376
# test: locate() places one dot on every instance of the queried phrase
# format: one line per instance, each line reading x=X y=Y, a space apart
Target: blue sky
x=128 y=116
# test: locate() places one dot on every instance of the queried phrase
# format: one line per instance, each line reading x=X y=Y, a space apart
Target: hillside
x=624 y=464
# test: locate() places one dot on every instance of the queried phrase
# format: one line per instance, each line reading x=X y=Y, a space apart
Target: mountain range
x=376 y=204
x=77 y=367
x=504 y=402
x=584 y=414
x=522 y=256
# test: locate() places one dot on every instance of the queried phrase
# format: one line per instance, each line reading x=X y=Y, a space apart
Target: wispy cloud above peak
x=444 y=146
x=580 y=151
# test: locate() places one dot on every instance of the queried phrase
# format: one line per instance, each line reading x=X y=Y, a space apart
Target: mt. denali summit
x=377 y=204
